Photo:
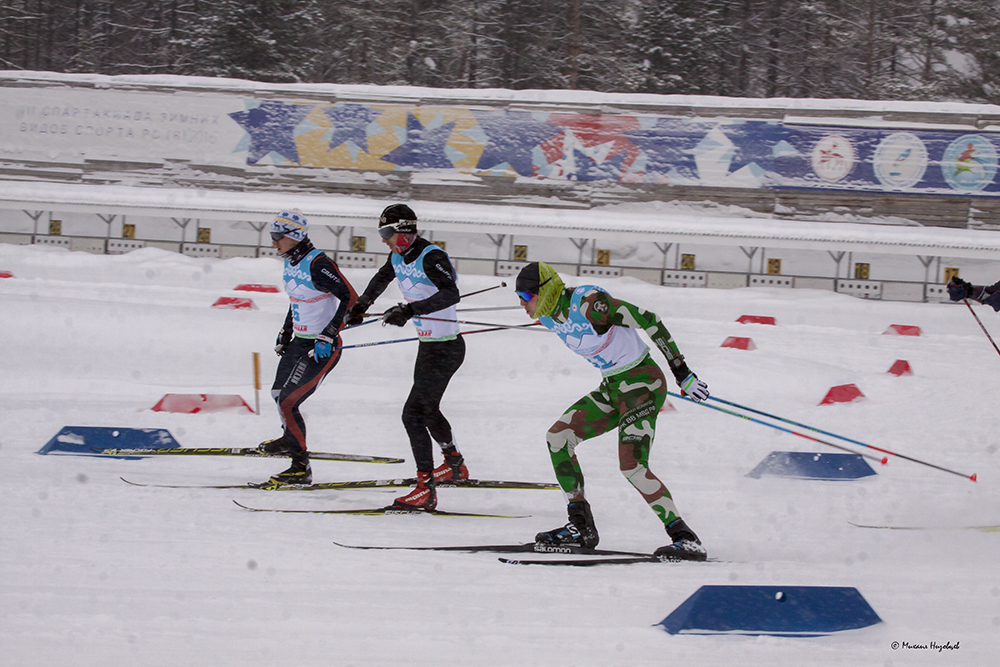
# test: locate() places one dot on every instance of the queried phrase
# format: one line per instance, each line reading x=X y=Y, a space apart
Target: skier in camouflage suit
x=604 y=330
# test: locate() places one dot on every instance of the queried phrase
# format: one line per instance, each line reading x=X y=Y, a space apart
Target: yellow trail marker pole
x=256 y=381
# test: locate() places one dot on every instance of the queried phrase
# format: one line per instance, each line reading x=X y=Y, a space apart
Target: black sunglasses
x=387 y=232
x=277 y=236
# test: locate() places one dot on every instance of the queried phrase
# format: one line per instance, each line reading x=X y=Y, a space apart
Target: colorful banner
x=53 y=125
x=632 y=149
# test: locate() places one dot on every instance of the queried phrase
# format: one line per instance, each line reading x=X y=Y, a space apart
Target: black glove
x=958 y=289
x=398 y=315
x=356 y=313
x=282 y=341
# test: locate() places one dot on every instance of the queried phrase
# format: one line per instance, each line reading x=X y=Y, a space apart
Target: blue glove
x=993 y=300
x=694 y=388
x=958 y=289
x=322 y=348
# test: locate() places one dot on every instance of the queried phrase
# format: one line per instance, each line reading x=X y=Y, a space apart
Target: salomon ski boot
x=580 y=530
x=299 y=473
x=422 y=497
x=280 y=446
x=453 y=469
x=685 y=544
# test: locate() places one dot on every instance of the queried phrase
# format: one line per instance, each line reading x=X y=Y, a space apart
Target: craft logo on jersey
x=900 y=160
x=969 y=163
x=833 y=158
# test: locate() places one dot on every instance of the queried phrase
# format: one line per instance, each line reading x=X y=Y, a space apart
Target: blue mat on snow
x=786 y=611
x=91 y=439
x=813 y=465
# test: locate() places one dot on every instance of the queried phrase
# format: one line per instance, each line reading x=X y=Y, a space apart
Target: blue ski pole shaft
x=851 y=440
x=883 y=460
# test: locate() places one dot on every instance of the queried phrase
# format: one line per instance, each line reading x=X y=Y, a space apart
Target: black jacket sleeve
x=379 y=282
x=326 y=276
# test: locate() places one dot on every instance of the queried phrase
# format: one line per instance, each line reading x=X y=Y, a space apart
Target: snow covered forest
x=857 y=49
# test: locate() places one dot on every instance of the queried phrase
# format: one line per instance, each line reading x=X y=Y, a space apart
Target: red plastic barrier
x=252 y=287
x=190 y=404
x=901 y=367
x=756 y=319
x=842 y=393
x=902 y=330
x=6 y=274
x=233 y=302
x=739 y=343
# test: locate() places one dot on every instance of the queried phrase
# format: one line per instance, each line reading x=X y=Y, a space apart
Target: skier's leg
x=639 y=394
x=589 y=417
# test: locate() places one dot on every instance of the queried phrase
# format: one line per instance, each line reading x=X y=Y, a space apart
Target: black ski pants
x=436 y=363
x=297 y=377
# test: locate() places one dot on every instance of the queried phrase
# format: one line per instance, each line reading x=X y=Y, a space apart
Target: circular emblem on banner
x=969 y=163
x=900 y=160
x=832 y=158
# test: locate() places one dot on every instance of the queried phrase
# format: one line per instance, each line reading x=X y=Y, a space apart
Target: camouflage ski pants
x=630 y=402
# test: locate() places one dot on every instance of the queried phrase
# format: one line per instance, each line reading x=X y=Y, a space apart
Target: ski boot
x=453 y=469
x=580 y=531
x=280 y=446
x=422 y=497
x=299 y=474
x=685 y=544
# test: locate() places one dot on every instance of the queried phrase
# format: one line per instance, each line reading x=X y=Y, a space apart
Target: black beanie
x=400 y=217
x=528 y=280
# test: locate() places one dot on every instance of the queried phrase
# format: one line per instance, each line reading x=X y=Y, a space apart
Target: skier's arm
x=376 y=286
x=604 y=311
x=326 y=276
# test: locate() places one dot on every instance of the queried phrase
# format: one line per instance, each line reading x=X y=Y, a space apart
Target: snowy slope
x=95 y=572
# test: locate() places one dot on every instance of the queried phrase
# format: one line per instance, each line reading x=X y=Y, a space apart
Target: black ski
x=590 y=562
x=404 y=482
x=390 y=510
x=250 y=452
x=530 y=547
x=983 y=529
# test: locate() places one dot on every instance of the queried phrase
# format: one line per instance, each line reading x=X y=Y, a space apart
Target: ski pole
x=883 y=460
x=375 y=316
x=981 y=325
x=856 y=442
x=478 y=324
x=408 y=340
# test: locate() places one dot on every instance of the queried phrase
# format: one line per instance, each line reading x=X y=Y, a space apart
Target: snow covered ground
x=96 y=572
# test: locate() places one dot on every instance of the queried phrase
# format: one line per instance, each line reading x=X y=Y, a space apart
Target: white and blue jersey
x=313 y=306
x=415 y=285
x=618 y=349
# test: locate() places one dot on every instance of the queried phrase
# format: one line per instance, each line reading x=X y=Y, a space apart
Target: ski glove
x=398 y=315
x=282 y=341
x=993 y=300
x=958 y=289
x=356 y=313
x=694 y=388
x=322 y=348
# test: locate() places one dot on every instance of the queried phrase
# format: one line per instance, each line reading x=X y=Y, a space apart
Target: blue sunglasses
x=528 y=296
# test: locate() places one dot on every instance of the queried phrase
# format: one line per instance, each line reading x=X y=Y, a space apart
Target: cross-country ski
x=530 y=547
x=390 y=510
x=248 y=452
